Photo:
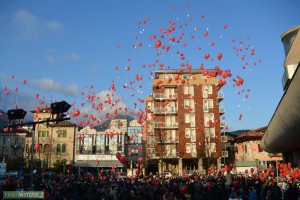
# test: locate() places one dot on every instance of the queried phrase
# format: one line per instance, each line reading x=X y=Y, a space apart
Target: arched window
x=58 y=148
x=41 y=148
x=46 y=148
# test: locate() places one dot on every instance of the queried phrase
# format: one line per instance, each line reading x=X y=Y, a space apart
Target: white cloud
x=58 y=58
x=49 y=85
x=31 y=26
x=116 y=103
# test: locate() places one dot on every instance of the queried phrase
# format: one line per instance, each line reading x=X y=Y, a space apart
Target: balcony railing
x=165 y=125
x=164 y=96
x=167 y=154
x=222 y=124
x=221 y=110
x=164 y=110
x=220 y=96
x=169 y=140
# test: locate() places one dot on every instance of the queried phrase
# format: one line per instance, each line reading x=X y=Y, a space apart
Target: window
x=208 y=117
x=58 y=148
x=210 y=103
x=245 y=148
x=189 y=103
x=64 y=148
x=188 y=89
x=62 y=133
x=193 y=150
x=209 y=132
x=59 y=133
x=167 y=76
x=193 y=135
x=187 y=147
x=225 y=154
x=210 y=148
x=150 y=150
x=190 y=118
x=187 y=133
x=186 y=76
x=209 y=89
x=170 y=92
x=204 y=91
x=149 y=104
x=43 y=133
x=4 y=140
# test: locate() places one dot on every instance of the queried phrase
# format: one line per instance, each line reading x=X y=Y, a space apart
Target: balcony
x=220 y=96
x=165 y=125
x=221 y=110
x=163 y=96
x=222 y=125
x=169 y=140
x=167 y=154
x=164 y=110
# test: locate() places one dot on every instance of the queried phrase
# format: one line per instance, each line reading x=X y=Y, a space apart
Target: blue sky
x=67 y=50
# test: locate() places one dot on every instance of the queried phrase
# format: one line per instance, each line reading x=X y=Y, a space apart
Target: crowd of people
x=106 y=186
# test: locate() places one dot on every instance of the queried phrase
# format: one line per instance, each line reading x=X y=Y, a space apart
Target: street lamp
x=16 y=114
x=58 y=108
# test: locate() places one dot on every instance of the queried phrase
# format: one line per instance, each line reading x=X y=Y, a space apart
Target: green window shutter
x=65 y=133
x=64 y=148
x=59 y=133
x=58 y=148
x=43 y=133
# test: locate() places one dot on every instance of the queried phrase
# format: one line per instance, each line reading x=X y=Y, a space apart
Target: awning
x=246 y=164
x=102 y=163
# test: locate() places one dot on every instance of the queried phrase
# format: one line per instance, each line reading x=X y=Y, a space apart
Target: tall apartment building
x=183 y=126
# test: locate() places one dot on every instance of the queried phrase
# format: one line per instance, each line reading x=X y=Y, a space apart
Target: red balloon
x=118 y=155
x=220 y=56
x=36 y=147
x=76 y=113
x=157 y=44
x=206 y=56
x=123 y=160
x=252 y=170
x=246 y=171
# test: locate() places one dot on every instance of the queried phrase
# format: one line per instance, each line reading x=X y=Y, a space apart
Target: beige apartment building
x=56 y=140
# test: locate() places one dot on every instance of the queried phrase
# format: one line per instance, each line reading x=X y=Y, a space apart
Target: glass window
x=193 y=135
x=187 y=133
x=187 y=147
x=58 y=148
x=188 y=89
x=209 y=89
x=210 y=148
x=210 y=103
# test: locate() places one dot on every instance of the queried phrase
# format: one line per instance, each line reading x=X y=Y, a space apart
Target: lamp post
x=16 y=115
